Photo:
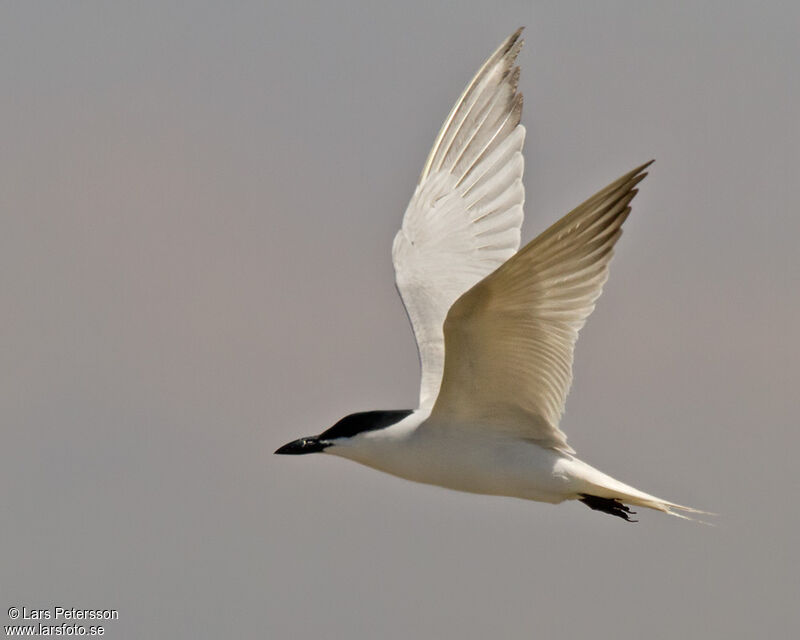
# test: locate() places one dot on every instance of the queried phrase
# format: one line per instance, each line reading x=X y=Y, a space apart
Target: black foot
x=608 y=505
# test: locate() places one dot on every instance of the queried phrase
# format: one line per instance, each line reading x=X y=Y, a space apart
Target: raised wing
x=510 y=339
x=464 y=218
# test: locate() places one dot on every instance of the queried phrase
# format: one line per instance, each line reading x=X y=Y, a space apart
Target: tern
x=495 y=326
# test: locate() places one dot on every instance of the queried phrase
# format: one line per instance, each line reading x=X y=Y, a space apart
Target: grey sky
x=197 y=207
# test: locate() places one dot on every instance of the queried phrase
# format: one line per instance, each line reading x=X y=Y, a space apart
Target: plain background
x=198 y=202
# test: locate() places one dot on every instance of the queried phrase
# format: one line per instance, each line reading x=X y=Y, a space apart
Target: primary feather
x=464 y=218
x=510 y=339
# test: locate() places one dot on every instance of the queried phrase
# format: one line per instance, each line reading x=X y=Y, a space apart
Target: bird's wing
x=509 y=340
x=464 y=218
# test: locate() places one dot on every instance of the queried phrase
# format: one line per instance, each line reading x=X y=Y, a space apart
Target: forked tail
x=617 y=506
x=604 y=493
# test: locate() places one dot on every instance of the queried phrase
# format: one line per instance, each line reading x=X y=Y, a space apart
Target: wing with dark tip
x=464 y=218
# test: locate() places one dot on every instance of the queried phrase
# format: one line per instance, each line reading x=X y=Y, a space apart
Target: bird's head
x=343 y=431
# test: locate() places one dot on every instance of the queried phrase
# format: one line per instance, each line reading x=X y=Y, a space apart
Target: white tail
x=608 y=489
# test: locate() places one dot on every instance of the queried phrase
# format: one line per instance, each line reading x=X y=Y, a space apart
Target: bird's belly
x=497 y=466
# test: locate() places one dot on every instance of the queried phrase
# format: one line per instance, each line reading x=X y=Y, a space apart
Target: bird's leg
x=608 y=505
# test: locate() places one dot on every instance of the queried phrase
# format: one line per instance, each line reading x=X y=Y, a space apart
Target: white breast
x=473 y=460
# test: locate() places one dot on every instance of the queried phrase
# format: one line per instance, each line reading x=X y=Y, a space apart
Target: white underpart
x=507 y=321
x=486 y=461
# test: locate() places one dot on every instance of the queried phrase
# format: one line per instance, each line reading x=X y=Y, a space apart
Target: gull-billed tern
x=495 y=327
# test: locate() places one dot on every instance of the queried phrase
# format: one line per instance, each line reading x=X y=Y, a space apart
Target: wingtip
x=633 y=177
x=513 y=43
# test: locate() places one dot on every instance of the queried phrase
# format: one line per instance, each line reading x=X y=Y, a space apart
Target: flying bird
x=495 y=326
